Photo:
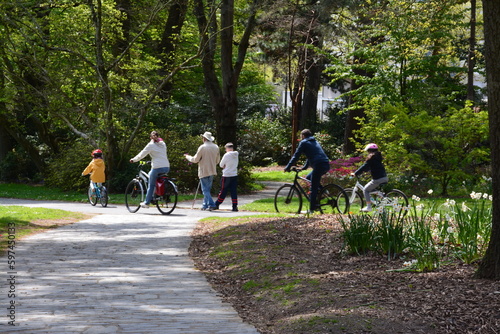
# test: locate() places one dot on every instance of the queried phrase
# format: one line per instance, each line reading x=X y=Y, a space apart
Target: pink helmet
x=371 y=146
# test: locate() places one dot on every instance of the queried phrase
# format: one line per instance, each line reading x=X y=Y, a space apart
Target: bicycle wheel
x=134 y=195
x=333 y=199
x=104 y=197
x=356 y=200
x=166 y=203
x=91 y=193
x=395 y=201
x=288 y=199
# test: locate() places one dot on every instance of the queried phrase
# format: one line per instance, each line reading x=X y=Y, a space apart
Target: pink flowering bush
x=341 y=169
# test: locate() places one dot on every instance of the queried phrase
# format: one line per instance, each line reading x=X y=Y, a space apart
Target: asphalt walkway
x=114 y=273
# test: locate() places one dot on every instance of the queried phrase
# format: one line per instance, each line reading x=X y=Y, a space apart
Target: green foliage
x=65 y=170
x=16 y=166
x=430 y=233
x=390 y=234
x=449 y=147
x=358 y=234
x=265 y=140
x=402 y=51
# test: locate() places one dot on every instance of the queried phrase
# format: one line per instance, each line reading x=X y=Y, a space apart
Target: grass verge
x=40 y=192
x=17 y=222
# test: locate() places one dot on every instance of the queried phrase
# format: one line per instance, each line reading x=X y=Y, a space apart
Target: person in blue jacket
x=316 y=158
x=375 y=166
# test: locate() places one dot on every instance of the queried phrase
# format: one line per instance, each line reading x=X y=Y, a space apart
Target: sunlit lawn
x=39 y=192
x=18 y=221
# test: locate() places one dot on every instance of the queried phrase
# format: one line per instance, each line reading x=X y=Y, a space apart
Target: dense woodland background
x=80 y=75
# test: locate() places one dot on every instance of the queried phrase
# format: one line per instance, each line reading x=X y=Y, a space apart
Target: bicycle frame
x=298 y=185
x=361 y=188
x=144 y=177
x=96 y=188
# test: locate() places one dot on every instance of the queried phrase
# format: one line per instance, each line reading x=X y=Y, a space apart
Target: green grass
x=261 y=205
x=17 y=222
x=39 y=192
x=277 y=176
x=25 y=191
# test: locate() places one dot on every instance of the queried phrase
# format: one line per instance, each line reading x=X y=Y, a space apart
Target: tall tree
x=471 y=54
x=291 y=37
x=401 y=51
x=216 y=25
x=91 y=67
x=490 y=264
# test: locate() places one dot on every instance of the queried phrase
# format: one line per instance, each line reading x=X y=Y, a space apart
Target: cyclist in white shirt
x=157 y=150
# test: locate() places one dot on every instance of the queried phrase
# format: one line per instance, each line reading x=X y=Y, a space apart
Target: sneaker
x=366 y=209
x=235 y=209
x=212 y=208
x=144 y=205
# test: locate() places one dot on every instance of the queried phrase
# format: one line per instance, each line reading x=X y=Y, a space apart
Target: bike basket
x=160 y=185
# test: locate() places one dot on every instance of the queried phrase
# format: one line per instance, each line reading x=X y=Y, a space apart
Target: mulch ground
x=291 y=275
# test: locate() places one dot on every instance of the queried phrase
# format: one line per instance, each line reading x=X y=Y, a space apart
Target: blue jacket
x=374 y=165
x=312 y=150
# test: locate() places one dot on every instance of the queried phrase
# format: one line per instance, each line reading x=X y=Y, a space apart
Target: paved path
x=114 y=273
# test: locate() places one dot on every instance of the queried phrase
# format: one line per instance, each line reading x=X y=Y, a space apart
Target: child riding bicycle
x=96 y=168
x=374 y=165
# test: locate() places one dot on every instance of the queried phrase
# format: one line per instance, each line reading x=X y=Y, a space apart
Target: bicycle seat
x=162 y=174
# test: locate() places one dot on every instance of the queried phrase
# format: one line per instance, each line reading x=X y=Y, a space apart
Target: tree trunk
x=471 y=57
x=490 y=264
x=223 y=96
x=167 y=46
x=313 y=83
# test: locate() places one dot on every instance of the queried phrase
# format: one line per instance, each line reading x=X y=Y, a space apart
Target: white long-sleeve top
x=229 y=164
x=157 y=151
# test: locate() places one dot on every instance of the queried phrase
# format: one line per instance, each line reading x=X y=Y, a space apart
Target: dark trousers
x=229 y=183
x=315 y=177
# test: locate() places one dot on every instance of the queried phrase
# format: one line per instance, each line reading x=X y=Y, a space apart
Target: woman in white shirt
x=157 y=149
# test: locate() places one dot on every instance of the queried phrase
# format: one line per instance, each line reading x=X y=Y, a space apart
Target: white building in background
x=326 y=97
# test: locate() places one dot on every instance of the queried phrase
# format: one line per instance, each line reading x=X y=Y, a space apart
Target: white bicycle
x=393 y=200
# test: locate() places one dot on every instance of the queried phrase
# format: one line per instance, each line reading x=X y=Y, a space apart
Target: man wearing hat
x=207 y=157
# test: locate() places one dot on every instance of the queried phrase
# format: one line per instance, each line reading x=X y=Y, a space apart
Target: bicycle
x=97 y=193
x=164 y=196
x=393 y=200
x=331 y=198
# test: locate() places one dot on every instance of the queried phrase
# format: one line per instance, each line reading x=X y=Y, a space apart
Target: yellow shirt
x=96 y=168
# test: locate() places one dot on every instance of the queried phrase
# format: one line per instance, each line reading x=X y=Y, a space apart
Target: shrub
x=16 y=166
x=65 y=170
x=265 y=140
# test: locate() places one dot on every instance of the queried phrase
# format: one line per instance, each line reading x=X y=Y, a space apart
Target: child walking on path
x=96 y=168
x=229 y=182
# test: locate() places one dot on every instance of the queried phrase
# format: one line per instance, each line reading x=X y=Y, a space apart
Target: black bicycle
x=164 y=196
x=331 y=197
